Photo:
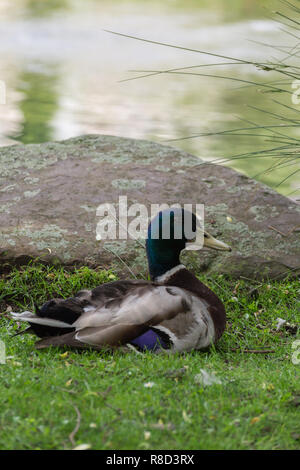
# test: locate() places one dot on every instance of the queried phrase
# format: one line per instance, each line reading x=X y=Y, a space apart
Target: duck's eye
x=205 y=235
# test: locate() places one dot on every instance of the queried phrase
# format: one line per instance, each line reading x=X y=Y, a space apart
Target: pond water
x=63 y=75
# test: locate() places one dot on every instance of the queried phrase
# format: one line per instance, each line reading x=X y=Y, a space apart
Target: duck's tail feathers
x=32 y=318
x=41 y=326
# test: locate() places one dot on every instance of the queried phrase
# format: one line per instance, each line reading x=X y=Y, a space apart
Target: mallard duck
x=173 y=311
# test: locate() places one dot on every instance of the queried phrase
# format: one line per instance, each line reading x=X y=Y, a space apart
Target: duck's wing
x=116 y=313
x=100 y=295
x=123 y=319
x=57 y=316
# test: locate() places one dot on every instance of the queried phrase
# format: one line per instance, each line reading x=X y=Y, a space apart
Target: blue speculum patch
x=150 y=341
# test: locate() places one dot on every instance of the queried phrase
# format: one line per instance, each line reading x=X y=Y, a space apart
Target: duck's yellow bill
x=211 y=242
x=208 y=241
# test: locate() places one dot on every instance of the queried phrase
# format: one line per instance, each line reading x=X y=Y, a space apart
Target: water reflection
x=36 y=8
x=62 y=74
x=38 y=105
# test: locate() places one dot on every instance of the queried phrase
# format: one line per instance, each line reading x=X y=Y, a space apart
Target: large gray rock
x=49 y=195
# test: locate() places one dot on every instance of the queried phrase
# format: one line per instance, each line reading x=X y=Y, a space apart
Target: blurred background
x=64 y=74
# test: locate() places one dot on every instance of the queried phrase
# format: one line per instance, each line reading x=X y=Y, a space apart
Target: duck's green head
x=172 y=231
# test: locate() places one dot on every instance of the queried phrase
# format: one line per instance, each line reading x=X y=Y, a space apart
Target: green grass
x=46 y=394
